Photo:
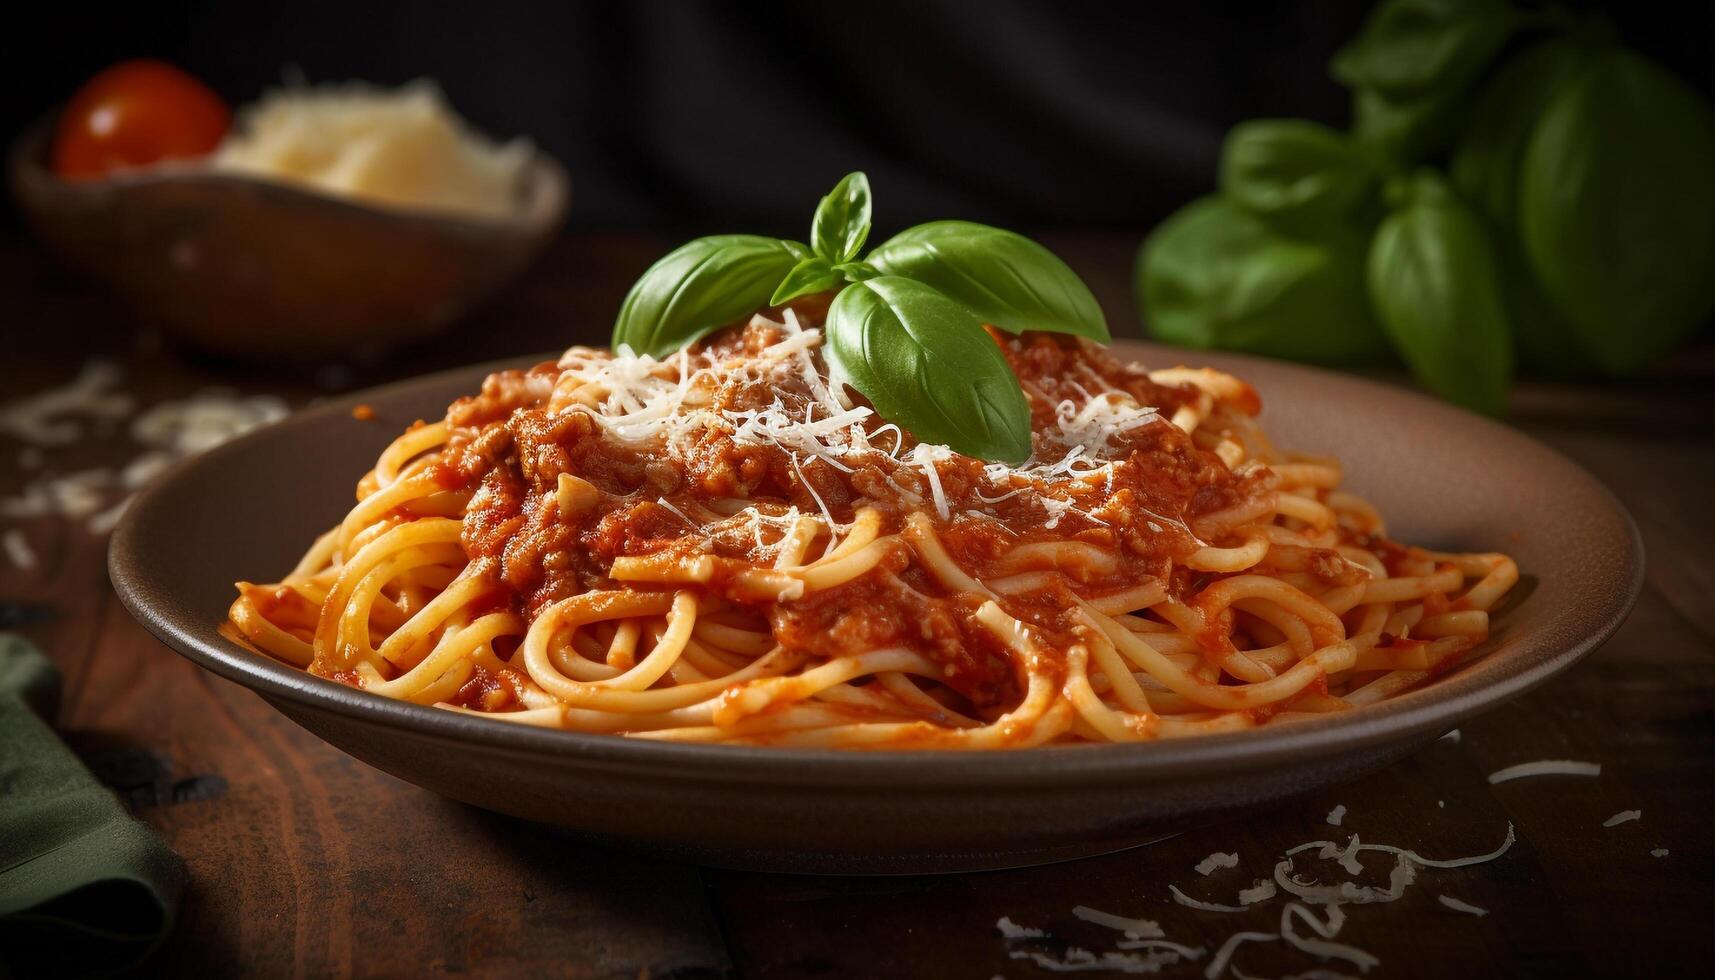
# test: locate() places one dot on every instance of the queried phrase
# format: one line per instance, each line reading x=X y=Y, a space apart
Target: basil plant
x=1516 y=186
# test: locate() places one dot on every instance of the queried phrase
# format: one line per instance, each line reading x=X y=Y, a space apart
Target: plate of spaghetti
x=717 y=601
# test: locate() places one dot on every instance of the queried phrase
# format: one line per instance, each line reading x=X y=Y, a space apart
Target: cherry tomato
x=136 y=113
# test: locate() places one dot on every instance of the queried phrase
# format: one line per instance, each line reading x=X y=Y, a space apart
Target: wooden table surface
x=305 y=862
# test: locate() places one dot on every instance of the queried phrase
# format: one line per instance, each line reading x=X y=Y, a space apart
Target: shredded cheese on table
x=170 y=431
x=1208 y=865
x=18 y=549
x=1459 y=906
x=1545 y=767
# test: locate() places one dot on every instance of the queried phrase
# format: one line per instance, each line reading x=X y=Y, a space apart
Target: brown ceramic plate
x=1441 y=476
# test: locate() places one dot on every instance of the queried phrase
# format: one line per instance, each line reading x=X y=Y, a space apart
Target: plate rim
x=1433 y=708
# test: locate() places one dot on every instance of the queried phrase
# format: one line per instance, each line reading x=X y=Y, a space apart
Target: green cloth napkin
x=84 y=889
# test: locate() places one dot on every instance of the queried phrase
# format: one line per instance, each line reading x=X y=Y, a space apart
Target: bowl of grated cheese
x=335 y=221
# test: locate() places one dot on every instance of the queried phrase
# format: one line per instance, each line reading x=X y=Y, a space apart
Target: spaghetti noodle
x=727 y=546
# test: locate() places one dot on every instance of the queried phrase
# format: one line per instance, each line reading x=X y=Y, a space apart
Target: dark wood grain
x=306 y=863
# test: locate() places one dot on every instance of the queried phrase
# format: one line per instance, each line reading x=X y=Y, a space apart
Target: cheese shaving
x=1133 y=928
x=1224 y=955
x=1199 y=904
x=1216 y=860
x=1624 y=816
x=1083 y=960
x=1459 y=906
x=18 y=549
x=1546 y=767
x=1321 y=943
x=1336 y=815
x=1012 y=930
x=1347 y=858
x=1079 y=960
x=1262 y=891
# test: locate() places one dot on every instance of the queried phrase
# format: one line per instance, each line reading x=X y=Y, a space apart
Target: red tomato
x=137 y=113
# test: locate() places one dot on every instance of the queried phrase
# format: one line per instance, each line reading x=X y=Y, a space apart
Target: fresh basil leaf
x=1432 y=278
x=925 y=362
x=842 y=220
x=1616 y=209
x=811 y=275
x=1486 y=167
x=1485 y=164
x=1408 y=47
x=1295 y=173
x=1216 y=275
x=698 y=287
x=1007 y=280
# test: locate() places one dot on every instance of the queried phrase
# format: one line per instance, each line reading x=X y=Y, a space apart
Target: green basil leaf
x=1007 y=280
x=811 y=275
x=698 y=287
x=1298 y=174
x=842 y=220
x=1486 y=167
x=925 y=362
x=1432 y=278
x=1408 y=47
x=1616 y=209
x=1216 y=275
x=1486 y=162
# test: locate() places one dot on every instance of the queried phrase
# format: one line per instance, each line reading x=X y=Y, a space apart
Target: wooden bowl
x=254 y=269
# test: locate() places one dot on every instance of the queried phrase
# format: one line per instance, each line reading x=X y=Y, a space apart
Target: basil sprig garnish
x=907 y=329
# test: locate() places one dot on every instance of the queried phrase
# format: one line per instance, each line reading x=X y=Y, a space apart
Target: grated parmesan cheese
x=1336 y=815
x=1624 y=816
x=48 y=418
x=1659 y=852
x=172 y=430
x=668 y=405
x=404 y=148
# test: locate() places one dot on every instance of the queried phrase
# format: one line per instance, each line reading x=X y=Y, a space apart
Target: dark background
x=738 y=116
